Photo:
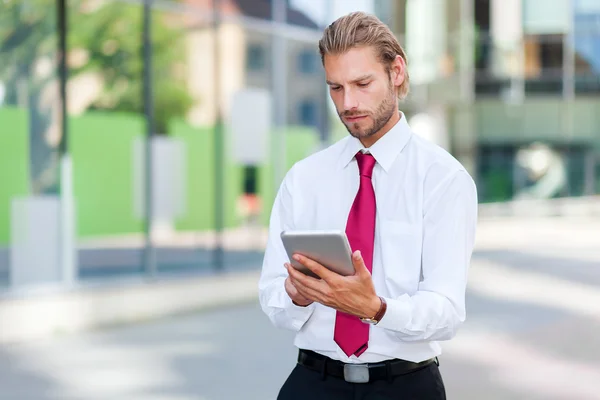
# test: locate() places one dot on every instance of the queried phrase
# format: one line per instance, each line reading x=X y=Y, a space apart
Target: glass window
x=495 y=172
x=308 y=113
x=250 y=179
x=307 y=62
x=543 y=63
x=587 y=48
x=256 y=57
x=539 y=18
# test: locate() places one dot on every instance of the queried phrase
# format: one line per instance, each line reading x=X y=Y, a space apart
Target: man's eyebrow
x=363 y=78
x=360 y=78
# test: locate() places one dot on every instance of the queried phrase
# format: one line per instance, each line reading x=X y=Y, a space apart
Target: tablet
x=329 y=248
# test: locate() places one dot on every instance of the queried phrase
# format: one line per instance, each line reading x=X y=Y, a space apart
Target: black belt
x=359 y=373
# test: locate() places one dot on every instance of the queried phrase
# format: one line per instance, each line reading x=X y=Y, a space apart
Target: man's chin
x=358 y=134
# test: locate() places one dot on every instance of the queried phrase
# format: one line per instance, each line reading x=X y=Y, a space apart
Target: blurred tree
x=28 y=44
x=109 y=35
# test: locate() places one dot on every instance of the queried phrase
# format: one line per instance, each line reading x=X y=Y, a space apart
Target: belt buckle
x=356 y=373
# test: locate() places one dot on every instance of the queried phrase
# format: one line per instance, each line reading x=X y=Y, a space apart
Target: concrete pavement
x=532 y=333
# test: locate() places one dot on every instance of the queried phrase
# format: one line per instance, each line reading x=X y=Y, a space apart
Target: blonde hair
x=360 y=29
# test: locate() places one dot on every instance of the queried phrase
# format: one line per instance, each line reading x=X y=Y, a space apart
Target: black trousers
x=306 y=384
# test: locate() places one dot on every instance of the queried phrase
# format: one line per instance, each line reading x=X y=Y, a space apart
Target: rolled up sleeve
x=274 y=300
x=437 y=309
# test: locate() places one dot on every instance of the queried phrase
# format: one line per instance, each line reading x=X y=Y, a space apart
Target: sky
x=318 y=9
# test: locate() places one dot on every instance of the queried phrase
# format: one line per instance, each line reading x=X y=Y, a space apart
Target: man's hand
x=353 y=294
x=296 y=297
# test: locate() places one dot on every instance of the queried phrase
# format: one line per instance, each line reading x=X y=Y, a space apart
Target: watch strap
x=379 y=315
x=382 y=310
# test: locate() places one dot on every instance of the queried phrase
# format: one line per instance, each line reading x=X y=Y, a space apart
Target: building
x=511 y=87
x=246 y=60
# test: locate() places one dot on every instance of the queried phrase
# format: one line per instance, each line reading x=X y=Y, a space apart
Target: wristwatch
x=379 y=315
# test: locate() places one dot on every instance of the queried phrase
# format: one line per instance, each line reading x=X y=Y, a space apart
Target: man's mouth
x=355 y=118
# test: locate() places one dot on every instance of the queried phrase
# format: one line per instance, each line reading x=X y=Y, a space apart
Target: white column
x=35 y=241
x=506 y=26
x=426 y=38
x=68 y=223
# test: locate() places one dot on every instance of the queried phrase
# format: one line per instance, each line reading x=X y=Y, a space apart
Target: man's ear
x=398 y=67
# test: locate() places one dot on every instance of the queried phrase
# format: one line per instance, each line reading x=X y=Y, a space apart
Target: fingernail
x=357 y=255
x=297 y=257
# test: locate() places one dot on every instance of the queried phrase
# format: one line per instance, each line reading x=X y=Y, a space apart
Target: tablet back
x=329 y=248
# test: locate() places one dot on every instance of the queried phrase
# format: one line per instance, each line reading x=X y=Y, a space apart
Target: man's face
x=362 y=91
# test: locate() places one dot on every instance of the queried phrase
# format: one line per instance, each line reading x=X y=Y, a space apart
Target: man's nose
x=350 y=102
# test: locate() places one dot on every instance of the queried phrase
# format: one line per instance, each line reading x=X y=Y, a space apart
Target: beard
x=380 y=117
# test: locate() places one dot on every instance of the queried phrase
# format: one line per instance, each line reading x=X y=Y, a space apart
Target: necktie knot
x=366 y=162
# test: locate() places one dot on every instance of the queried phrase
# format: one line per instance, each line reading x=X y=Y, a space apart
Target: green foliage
x=28 y=46
x=108 y=37
x=26 y=35
x=112 y=37
x=23 y=25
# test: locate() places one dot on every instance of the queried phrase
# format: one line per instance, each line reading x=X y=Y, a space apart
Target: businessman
x=409 y=210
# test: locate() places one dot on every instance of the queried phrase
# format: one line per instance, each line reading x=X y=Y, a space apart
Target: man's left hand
x=354 y=294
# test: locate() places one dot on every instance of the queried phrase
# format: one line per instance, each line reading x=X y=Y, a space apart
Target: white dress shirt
x=424 y=236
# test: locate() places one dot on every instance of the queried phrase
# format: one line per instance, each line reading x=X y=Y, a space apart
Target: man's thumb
x=359 y=263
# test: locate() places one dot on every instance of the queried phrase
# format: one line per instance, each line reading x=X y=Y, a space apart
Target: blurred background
x=142 y=144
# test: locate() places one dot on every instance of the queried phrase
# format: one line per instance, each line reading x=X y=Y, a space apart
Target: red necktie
x=350 y=333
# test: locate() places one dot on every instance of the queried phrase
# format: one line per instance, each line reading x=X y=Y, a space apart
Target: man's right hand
x=296 y=297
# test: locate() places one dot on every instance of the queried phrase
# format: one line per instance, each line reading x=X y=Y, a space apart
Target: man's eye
x=363 y=84
x=335 y=88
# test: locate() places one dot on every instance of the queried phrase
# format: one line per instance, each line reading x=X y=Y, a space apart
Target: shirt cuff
x=397 y=315
x=299 y=315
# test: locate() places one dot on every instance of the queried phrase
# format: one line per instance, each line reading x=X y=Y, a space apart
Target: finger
x=315 y=267
x=288 y=266
x=289 y=286
x=310 y=293
x=360 y=267
x=295 y=294
x=309 y=286
x=304 y=286
x=300 y=276
x=295 y=281
x=294 y=274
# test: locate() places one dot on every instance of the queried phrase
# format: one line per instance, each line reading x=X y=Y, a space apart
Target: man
x=409 y=210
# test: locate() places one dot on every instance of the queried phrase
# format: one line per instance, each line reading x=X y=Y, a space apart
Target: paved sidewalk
x=531 y=333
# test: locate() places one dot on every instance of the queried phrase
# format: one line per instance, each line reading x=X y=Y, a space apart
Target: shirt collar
x=385 y=150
